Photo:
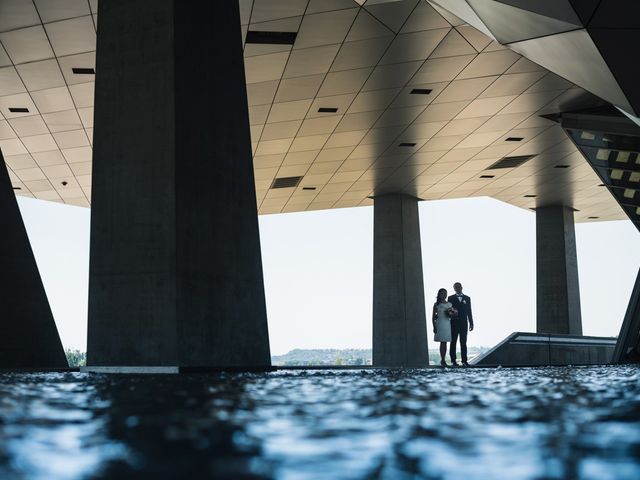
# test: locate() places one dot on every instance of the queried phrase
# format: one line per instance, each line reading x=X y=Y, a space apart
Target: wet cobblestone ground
x=546 y=423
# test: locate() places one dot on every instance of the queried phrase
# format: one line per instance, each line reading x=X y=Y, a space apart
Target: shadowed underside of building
x=208 y=113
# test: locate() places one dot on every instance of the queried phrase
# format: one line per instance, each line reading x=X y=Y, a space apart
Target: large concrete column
x=399 y=321
x=558 y=292
x=628 y=345
x=28 y=334
x=175 y=266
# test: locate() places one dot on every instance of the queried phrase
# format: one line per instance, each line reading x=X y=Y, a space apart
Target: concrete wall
x=532 y=349
x=28 y=334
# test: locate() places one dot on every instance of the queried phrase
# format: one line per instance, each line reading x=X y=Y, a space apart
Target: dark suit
x=460 y=324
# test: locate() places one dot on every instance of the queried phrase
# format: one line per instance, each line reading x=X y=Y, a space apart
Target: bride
x=442 y=313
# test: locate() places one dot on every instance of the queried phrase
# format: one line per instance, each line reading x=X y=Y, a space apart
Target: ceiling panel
x=418 y=102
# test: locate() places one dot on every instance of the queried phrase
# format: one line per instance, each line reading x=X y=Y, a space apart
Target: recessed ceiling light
x=17 y=188
x=83 y=71
x=530 y=196
x=514 y=139
x=421 y=91
x=327 y=110
x=593 y=218
x=18 y=110
x=562 y=166
x=308 y=188
x=487 y=176
x=587 y=135
x=407 y=144
x=274 y=38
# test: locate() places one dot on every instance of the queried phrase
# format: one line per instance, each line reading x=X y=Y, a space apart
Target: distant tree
x=76 y=358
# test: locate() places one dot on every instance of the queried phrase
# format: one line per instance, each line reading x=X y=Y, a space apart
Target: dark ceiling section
x=614 y=45
x=611 y=144
x=618 y=14
x=584 y=8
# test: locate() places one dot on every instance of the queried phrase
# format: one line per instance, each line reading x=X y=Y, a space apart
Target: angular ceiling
x=372 y=97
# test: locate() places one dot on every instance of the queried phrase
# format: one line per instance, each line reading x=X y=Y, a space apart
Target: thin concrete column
x=628 y=345
x=175 y=265
x=399 y=321
x=558 y=291
x=28 y=334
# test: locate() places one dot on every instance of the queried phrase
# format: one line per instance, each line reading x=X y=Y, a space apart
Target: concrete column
x=399 y=321
x=628 y=345
x=558 y=292
x=175 y=265
x=28 y=334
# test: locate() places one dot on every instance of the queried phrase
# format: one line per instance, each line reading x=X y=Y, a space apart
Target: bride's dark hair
x=438 y=296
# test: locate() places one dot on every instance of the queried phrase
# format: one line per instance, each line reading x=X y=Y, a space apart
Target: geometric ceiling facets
x=588 y=42
x=556 y=9
x=511 y=24
x=575 y=57
x=363 y=98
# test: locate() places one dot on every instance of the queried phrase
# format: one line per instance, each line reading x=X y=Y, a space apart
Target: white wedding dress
x=443 y=323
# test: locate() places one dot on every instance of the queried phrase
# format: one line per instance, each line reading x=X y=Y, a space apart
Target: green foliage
x=75 y=358
x=329 y=356
x=347 y=356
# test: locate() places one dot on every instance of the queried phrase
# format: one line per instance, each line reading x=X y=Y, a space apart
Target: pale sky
x=318 y=270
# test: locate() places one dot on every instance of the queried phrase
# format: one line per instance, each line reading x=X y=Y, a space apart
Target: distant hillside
x=348 y=356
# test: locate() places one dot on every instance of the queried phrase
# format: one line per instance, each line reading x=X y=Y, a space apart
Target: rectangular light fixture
x=623 y=157
x=286 y=182
x=514 y=139
x=271 y=38
x=308 y=188
x=487 y=176
x=83 y=71
x=593 y=218
x=407 y=144
x=561 y=166
x=18 y=110
x=587 y=135
x=511 y=162
x=327 y=110
x=421 y=91
x=530 y=196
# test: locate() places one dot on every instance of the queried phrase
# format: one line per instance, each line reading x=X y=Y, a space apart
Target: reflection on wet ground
x=544 y=423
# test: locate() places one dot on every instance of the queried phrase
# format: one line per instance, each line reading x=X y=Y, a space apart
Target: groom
x=462 y=303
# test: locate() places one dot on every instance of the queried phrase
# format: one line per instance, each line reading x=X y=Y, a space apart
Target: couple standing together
x=451 y=317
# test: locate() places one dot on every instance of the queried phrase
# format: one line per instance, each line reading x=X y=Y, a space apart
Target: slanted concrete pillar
x=28 y=334
x=558 y=292
x=399 y=321
x=175 y=266
x=628 y=345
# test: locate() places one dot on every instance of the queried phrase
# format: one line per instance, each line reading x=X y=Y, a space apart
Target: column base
x=169 y=369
